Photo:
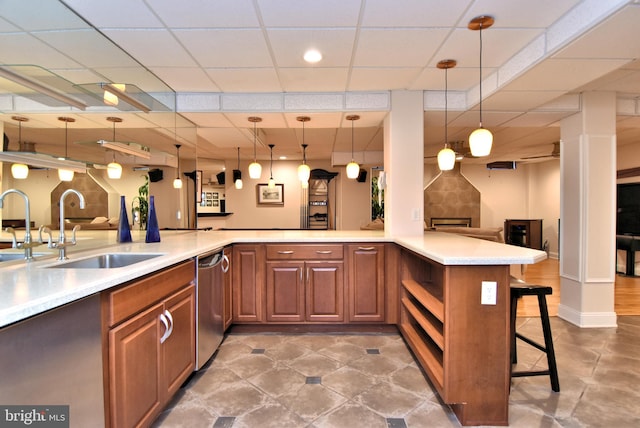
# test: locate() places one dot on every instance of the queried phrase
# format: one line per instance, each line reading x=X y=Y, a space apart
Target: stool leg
x=514 y=311
x=548 y=343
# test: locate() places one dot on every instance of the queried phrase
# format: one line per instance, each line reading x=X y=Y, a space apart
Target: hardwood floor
x=627 y=290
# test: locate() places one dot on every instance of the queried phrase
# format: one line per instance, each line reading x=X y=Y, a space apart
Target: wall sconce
x=304 y=172
x=480 y=140
x=446 y=156
x=255 y=169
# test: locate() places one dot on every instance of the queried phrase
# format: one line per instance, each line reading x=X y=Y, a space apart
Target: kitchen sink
x=105 y=261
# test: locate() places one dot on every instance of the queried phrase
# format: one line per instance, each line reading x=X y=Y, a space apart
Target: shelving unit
x=319 y=201
x=523 y=233
x=462 y=345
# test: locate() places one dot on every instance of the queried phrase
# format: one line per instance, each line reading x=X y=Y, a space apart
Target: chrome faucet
x=62 y=244
x=27 y=244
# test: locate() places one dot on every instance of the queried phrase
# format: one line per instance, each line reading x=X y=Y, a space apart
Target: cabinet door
x=366 y=282
x=285 y=291
x=134 y=365
x=324 y=291
x=179 y=347
x=227 y=290
x=248 y=283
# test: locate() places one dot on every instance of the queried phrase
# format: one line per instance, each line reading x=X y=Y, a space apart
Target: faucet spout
x=62 y=244
x=27 y=245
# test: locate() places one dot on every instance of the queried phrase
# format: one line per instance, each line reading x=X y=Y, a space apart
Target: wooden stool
x=520 y=288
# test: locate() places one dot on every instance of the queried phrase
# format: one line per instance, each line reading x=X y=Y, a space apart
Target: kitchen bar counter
x=28 y=289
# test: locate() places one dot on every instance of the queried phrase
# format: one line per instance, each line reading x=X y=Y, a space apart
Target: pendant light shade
x=353 y=169
x=114 y=169
x=66 y=174
x=304 y=172
x=177 y=182
x=237 y=174
x=272 y=182
x=480 y=140
x=255 y=169
x=19 y=171
x=446 y=156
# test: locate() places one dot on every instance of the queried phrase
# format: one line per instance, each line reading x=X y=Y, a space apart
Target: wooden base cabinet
x=462 y=344
x=366 y=282
x=151 y=343
x=248 y=283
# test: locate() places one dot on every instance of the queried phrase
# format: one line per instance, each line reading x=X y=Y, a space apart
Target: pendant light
x=446 y=156
x=237 y=174
x=255 y=169
x=114 y=169
x=272 y=182
x=481 y=139
x=353 y=169
x=177 y=182
x=65 y=174
x=304 y=172
x=20 y=170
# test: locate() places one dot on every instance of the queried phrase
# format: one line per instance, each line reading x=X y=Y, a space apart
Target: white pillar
x=587 y=212
x=403 y=164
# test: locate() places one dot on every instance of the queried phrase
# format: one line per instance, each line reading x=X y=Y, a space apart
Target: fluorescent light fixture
x=127 y=148
x=41 y=160
x=113 y=89
x=41 y=88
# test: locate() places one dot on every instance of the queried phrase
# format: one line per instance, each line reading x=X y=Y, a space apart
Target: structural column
x=404 y=164
x=587 y=212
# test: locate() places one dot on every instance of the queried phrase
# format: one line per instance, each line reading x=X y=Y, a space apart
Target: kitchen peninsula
x=431 y=290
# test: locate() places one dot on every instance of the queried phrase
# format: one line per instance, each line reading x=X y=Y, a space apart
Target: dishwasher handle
x=208 y=261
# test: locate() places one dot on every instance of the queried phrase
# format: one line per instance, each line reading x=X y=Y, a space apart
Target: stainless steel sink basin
x=105 y=261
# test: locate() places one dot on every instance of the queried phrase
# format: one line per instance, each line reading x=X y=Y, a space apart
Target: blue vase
x=153 y=232
x=124 y=231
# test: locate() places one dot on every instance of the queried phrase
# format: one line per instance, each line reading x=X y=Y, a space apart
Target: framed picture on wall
x=266 y=196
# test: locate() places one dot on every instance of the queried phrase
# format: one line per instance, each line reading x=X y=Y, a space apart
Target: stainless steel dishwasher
x=209 y=312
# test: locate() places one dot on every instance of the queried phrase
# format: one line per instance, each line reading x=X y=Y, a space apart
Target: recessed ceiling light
x=312 y=56
x=283 y=157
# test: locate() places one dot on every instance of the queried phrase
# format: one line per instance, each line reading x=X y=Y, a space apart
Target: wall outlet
x=489 y=294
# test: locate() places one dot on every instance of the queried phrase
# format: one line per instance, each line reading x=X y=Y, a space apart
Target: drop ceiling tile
x=206 y=14
x=309 y=13
x=269 y=120
x=536 y=119
x=515 y=14
x=382 y=78
x=519 y=100
x=226 y=48
x=432 y=79
x=289 y=46
x=320 y=79
x=7 y=27
x=151 y=47
x=225 y=137
x=318 y=120
x=382 y=48
x=245 y=79
x=23 y=48
x=135 y=76
x=208 y=120
x=118 y=14
x=43 y=15
x=413 y=13
x=186 y=79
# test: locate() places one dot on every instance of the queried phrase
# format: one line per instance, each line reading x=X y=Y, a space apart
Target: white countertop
x=28 y=289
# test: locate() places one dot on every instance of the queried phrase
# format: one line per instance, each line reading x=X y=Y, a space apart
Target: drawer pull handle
x=324 y=252
x=285 y=252
x=366 y=248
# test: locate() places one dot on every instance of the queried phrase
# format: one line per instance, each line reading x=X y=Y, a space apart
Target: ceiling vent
x=502 y=165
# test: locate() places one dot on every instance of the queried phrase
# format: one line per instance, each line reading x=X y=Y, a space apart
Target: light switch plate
x=489 y=293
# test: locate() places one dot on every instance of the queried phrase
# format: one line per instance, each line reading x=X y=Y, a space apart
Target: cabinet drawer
x=304 y=252
x=142 y=293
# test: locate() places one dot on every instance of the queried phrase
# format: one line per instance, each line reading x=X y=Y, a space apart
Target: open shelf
x=429 y=324
x=429 y=296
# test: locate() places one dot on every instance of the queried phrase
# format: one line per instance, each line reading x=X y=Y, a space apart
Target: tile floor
x=372 y=380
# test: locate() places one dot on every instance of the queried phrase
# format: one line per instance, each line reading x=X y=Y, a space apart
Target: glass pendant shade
x=65 y=175
x=304 y=172
x=255 y=170
x=480 y=142
x=114 y=170
x=272 y=183
x=353 y=169
x=446 y=159
x=19 y=171
x=177 y=183
x=238 y=183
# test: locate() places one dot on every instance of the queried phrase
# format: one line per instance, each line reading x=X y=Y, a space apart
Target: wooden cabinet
x=151 y=343
x=524 y=233
x=366 y=282
x=305 y=283
x=227 y=290
x=248 y=283
x=461 y=344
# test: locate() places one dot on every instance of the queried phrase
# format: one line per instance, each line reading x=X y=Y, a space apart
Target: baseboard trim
x=588 y=319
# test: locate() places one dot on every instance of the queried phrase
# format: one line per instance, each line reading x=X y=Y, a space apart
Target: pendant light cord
x=480 y=75
x=66 y=143
x=238 y=158
x=446 y=106
x=254 y=141
x=352 y=141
